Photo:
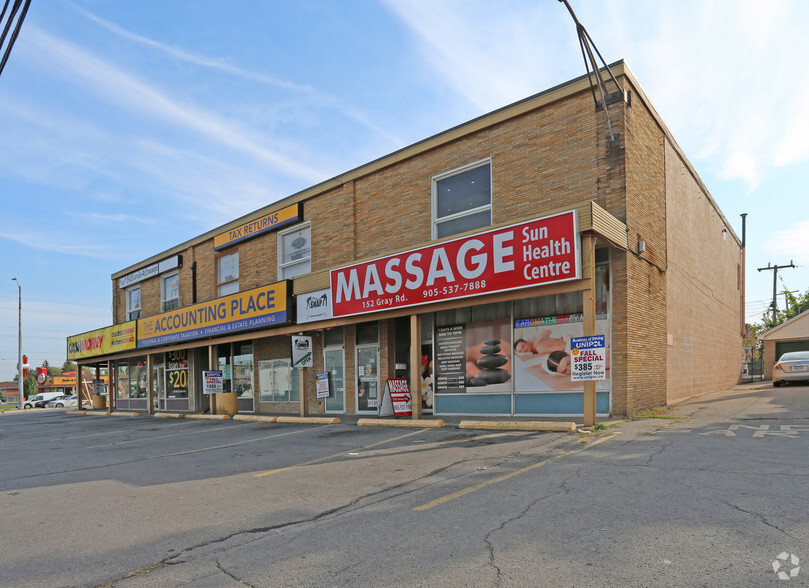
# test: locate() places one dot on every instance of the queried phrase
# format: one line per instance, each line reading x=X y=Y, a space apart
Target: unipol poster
x=543 y=356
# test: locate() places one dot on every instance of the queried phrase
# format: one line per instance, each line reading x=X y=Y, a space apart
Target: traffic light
x=24 y=366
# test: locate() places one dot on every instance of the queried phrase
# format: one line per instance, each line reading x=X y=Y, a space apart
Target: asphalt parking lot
x=710 y=493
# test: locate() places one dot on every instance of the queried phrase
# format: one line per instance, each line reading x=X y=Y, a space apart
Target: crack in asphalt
x=227 y=573
x=183 y=556
x=760 y=517
x=563 y=490
x=384 y=494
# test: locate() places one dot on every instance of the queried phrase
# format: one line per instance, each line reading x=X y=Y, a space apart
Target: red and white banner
x=541 y=251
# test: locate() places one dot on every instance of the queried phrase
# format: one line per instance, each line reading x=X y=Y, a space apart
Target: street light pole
x=19 y=346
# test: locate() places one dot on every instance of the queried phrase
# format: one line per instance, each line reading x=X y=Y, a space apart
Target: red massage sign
x=541 y=251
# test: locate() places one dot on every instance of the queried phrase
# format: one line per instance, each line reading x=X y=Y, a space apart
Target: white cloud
x=318 y=98
x=120 y=89
x=791 y=243
x=723 y=74
x=59 y=241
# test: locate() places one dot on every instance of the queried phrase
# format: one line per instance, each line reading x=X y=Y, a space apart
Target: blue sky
x=129 y=127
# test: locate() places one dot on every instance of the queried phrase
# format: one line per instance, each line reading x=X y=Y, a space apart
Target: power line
x=14 y=298
x=13 y=13
x=56 y=312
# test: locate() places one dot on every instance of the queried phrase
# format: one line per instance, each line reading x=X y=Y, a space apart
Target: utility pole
x=19 y=347
x=775 y=269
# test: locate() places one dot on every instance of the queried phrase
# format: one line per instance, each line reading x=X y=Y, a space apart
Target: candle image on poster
x=542 y=353
x=473 y=358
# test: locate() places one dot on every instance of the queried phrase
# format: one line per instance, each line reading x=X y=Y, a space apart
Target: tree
x=750 y=340
x=69 y=366
x=794 y=306
x=29 y=384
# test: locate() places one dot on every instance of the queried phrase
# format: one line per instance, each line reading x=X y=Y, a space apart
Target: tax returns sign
x=541 y=251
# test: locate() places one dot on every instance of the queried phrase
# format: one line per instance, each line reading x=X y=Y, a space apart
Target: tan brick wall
x=646 y=296
x=704 y=308
x=548 y=158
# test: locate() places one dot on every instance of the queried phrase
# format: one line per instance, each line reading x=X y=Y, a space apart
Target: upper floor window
x=462 y=200
x=295 y=251
x=133 y=304
x=227 y=275
x=170 y=291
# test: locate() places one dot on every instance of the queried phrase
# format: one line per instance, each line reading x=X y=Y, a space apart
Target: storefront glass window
x=333 y=337
x=122 y=379
x=177 y=374
x=602 y=290
x=278 y=381
x=367 y=333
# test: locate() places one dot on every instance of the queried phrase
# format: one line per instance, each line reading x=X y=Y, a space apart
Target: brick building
x=466 y=263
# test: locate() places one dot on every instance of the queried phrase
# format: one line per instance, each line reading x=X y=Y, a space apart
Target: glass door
x=334 y=363
x=159 y=388
x=243 y=376
x=368 y=379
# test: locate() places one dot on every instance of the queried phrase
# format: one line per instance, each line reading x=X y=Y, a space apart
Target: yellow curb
x=98 y=412
x=255 y=417
x=119 y=413
x=518 y=425
x=215 y=417
x=168 y=415
x=75 y=412
x=415 y=423
x=308 y=420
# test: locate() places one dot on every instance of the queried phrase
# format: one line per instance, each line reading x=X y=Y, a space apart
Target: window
x=133 y=304
x=227 y=277
x=170 y=290
x=278 y=381
x=462 y=200
x=295 y=252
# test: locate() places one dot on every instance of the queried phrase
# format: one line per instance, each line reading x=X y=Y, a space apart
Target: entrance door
x=368 y=379
x=335 y=366
x=236 y=363
x=243 y=376
x=159 y=387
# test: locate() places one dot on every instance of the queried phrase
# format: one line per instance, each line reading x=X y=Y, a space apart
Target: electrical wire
x=17 y=27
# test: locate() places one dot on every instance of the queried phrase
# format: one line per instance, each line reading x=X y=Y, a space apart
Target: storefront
x=481 y=264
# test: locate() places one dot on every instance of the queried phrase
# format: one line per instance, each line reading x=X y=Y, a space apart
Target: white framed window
x=170 y=291
x=295 y=251
x=462 y=199
x=227 y=274
x=133 y=304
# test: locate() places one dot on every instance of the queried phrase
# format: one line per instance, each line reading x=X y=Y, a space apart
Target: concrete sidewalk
x=507 y=423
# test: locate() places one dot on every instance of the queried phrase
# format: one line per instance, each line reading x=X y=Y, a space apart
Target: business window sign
x=259 y=307
x=102 y=341
x=314 y=306
x=589 y=358
x=254 y=228
x=139 y=275
x=150 y=271
x=541 y=251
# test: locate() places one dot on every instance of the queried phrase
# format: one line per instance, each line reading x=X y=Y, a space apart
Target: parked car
x=42 y=396
x=792 y=367
x=49 y=403
x=63 y=402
